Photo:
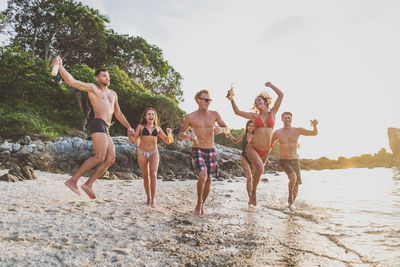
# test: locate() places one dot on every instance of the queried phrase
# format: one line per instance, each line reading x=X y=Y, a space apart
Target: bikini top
x=259 y=122
x=146 y=132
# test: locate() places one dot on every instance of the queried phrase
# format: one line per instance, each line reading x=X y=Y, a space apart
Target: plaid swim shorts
x=205 y=159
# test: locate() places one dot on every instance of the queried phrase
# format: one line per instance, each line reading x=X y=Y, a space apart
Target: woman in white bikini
x=148 y=158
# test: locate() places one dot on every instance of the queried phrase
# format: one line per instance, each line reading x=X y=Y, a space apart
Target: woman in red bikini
x=148 y=159
x=263 y=118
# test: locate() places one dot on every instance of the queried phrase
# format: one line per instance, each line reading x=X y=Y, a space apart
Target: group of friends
x=257 y=141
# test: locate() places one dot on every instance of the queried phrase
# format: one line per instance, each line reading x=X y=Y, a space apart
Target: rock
x=5 y=147
x=9 y=178
x=29 y=173
x=394 y=141
x=27 y=140
x=11 y=162
x=16 y=171
x=16 y=147
x=125 y=175
x=5 y=154
x=168 y=178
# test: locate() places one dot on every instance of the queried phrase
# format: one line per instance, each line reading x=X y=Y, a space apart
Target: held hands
x=313 y=122
x=130 y=131
x=226 y=131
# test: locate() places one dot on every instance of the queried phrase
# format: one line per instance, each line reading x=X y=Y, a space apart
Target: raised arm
x=67 y=77
x=314 y=132
x=247 y=115
x=167 y=138
x=121 y=117
x=278 y=101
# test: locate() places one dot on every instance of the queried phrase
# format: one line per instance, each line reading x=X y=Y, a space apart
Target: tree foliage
x=33 y=99
x=58 y=27
x=77 y=33
x=144 y=63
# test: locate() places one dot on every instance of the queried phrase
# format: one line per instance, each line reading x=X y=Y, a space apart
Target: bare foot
x=153 y=205
x=253 y=201
x=89 y=191
x=73 y=186
x=197 y=209
x=202 y=211
x=290 y=200
x=148 y=202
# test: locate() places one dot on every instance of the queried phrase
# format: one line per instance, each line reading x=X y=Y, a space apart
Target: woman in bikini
x=244 y=160
x=148 y=158
x=263 y=118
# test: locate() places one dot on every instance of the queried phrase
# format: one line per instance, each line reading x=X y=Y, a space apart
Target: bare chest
x=205 y=121
x=102 y=99
x=288 y=137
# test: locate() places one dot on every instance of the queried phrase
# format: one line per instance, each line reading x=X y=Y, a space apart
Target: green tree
x=2 y=22
x=144 y=63
x=58 y=27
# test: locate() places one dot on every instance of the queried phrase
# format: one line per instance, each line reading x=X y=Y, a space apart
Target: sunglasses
x=206 y=99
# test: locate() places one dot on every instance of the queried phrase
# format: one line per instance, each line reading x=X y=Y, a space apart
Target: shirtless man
x=104 y=102
x=202 y=121
x=288 y=158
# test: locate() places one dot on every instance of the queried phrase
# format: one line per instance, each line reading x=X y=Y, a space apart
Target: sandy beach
x=43 y=223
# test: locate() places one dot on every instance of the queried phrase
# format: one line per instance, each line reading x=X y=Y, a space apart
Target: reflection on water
x=348 y=217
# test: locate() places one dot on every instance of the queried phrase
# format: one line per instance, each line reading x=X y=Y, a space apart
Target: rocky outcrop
x=65 y=155
x=394 y=141
x=19 y=174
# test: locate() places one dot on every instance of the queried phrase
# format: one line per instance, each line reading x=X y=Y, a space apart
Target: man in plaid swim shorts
x=202 y=121
x=205 y=159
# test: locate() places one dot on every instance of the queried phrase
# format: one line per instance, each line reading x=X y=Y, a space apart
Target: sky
x=335 y=61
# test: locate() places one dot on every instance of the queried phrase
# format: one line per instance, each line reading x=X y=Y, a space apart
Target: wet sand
x=43 y=223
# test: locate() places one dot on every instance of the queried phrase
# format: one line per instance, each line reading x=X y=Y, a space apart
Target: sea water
x=350 y=216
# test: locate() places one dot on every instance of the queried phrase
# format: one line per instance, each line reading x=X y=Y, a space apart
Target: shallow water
x=341 y=218
x=355 y=210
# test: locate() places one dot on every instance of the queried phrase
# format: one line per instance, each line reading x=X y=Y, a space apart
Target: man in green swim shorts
x=288 y=158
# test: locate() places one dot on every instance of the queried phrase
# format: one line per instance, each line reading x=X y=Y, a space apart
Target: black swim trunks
x=97 y=125
x=204 y=158
x=291 y=166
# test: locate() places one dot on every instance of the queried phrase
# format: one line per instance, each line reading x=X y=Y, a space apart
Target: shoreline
x=44 y=222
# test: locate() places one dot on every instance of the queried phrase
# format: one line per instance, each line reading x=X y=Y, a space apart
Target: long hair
x=267 y=99
x=247 y=125
x=143 y=120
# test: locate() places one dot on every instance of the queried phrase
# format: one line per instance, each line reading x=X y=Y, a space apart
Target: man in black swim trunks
x=105 y=103
x=288 y=158
x=202 y=121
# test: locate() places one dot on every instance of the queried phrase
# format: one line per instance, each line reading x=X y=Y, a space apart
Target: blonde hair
x=267 y=99
x=198 y=94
